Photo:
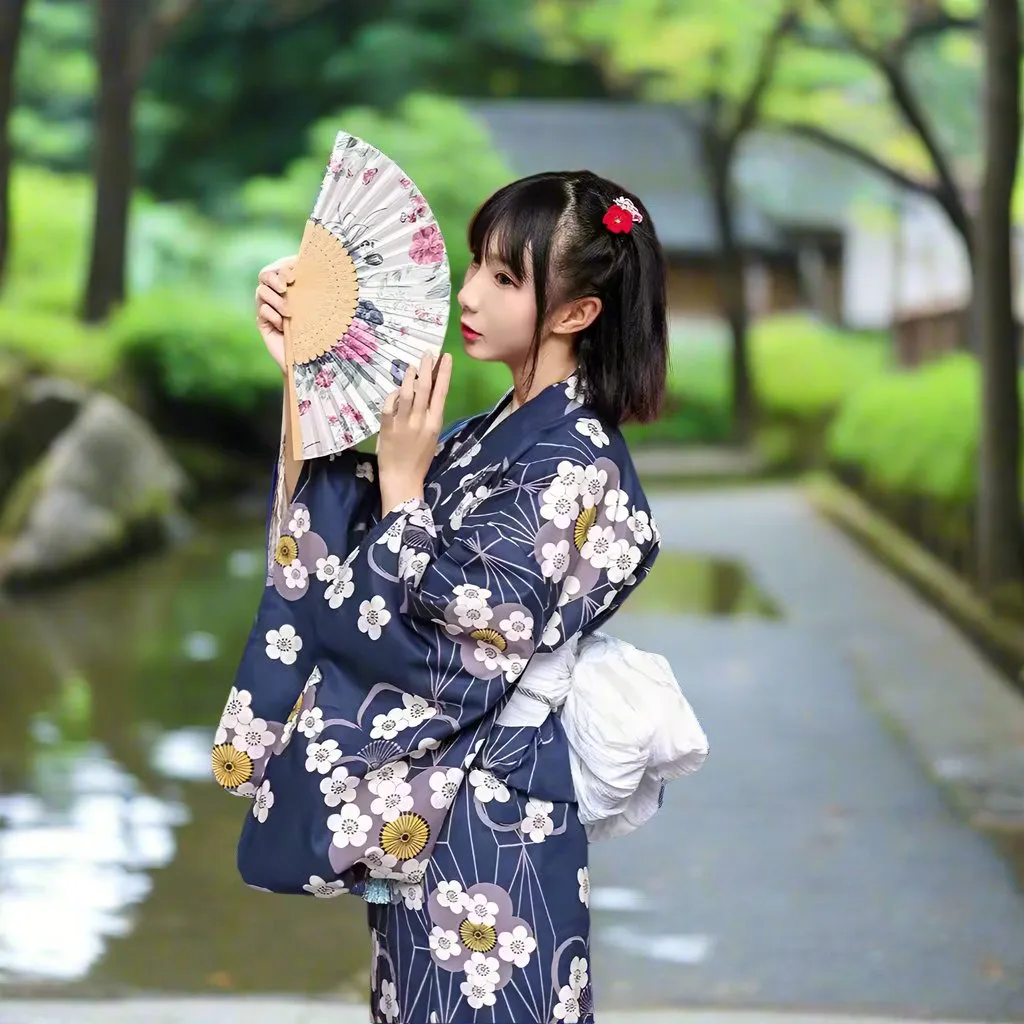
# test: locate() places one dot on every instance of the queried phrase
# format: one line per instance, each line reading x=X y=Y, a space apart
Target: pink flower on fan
x=336 y=166
x=350 y=412
x=357 y=344
x=427 y=245
x=404 y=182
x=332 y=419
x=369 y=174
x=304 y=406
x=324 y=378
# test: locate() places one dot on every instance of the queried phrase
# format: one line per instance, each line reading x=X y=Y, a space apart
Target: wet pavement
x=815 y=863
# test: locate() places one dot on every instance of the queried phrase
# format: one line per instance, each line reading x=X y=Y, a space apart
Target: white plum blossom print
x=487 y=786
x=555 y=560
x=552 y=631
x=416 y=710
x=567 y=1009
x=592 y=428
x=237 y=710
x=513 y=666
x=572 y=392
x=364 y=471
x=592 y=488
x=393 y=771
x=599 y=544
x=516 y=946
x=640 y=523
x=412 y=896
x=472 y=612
x=341 y=587
x=327 y=568
x=478 y=993
x=579 y=977
x=423 y=519
x=389 y=1000
x=321 y=756
x=262 y=802
x=425 y=746
x=381 y=864
x=339 y=787
x=412 y=564
x=445 y=785
x=392 y=536
x=483 y=968
x=283 y=644
x=373 y=616
x=350 y=826
x=299 y=523
x=570 y=589
x=311 y=723
x=559 y=504
x=538 y=824
x=387 y=727
x=583 y=877
x=414 y=871
x=254 y=737
x=444 y=943
x=470 y=455
x=518 y=626
x=488 y=652
x=450 y=895
x=296 y=575
x=616 y=505
x=324 y=890
x=623 y=559
x=479 y=909
x=393 y=799
x=471 y=592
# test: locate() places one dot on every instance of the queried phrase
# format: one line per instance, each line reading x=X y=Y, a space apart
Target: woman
x=408 y=594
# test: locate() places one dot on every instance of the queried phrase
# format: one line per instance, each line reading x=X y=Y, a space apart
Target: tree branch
x=851 y=151
x=928 y=25
x=751 y=103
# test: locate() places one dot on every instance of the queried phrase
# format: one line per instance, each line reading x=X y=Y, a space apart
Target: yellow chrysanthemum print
x=287 y=550
x=231 y=767
x=478 y=938
x=584 y=521
x=405 y=837
x=490 y=636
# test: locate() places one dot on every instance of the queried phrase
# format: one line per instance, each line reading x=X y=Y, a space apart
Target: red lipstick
x=468 y=333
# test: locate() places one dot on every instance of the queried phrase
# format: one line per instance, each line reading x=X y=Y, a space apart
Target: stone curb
x=274 y=1010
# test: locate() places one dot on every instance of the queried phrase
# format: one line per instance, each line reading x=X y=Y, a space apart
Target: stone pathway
x=815 y=862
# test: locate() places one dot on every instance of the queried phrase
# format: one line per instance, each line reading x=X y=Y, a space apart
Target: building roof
x=653 y=151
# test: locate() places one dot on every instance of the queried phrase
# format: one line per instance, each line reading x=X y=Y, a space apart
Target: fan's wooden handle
x=292 y=394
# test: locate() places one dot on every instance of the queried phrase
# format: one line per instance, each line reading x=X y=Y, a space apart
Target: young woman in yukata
x=409 y=592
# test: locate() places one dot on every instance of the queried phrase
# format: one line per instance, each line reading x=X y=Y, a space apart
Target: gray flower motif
x=483 y=921
x=296 y=555
x=485 y=648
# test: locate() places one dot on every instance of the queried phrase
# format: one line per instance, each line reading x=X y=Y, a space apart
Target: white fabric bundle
x=629 y=727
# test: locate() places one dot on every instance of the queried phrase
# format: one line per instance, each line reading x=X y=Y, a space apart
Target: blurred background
x=837 y=470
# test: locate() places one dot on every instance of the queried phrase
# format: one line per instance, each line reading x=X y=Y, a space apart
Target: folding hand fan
x=371 y=296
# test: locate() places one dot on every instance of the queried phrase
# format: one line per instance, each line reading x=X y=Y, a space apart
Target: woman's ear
x=576 y=316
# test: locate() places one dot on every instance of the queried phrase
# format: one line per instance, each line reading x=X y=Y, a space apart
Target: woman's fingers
x=267 y=294
x=440 y=391
x=424 y=381
x=407 y=391
x=390 y=404
x=268 y=315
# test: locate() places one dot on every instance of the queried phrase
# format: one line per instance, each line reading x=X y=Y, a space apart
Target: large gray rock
x=105 y=487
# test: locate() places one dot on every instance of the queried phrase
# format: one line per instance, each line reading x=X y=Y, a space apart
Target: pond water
x=117 y=868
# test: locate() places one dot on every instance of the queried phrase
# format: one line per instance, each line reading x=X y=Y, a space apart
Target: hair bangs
x=517 y=225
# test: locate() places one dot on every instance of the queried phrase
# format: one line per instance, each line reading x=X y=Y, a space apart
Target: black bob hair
x=555 y=220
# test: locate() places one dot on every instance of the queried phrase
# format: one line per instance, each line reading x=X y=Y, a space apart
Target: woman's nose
x=466 y=296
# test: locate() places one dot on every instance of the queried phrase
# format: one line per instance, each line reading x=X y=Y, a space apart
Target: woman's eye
x=503 y=279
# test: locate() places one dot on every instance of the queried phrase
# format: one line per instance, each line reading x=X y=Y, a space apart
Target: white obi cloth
x=629 y=727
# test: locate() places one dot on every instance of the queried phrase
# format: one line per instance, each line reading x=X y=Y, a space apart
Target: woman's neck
x=547 y=372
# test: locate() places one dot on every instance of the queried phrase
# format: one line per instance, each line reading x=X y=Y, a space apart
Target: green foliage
x=199 y=350
x=914 y=434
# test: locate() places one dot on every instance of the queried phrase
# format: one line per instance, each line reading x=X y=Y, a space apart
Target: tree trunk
x=731 y=284
x=12 y=17
x=113 y=157
x=1000 y=533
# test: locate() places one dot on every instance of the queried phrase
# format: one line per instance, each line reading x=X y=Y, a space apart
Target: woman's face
x=499 y=313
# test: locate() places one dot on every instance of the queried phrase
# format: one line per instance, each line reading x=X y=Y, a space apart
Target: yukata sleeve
x=417 y=653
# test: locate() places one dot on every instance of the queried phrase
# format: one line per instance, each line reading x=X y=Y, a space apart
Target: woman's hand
x=410 y=426
x=272 y=304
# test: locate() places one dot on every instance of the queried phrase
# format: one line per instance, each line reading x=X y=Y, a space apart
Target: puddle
x=699 y=585
x=117 y=852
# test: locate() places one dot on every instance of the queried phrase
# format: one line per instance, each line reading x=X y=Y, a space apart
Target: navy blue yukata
x=362 y=723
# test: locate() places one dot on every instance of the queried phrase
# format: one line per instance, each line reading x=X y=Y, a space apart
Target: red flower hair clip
x=621 y=216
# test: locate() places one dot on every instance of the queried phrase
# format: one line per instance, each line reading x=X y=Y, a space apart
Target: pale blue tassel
x=378 y=890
